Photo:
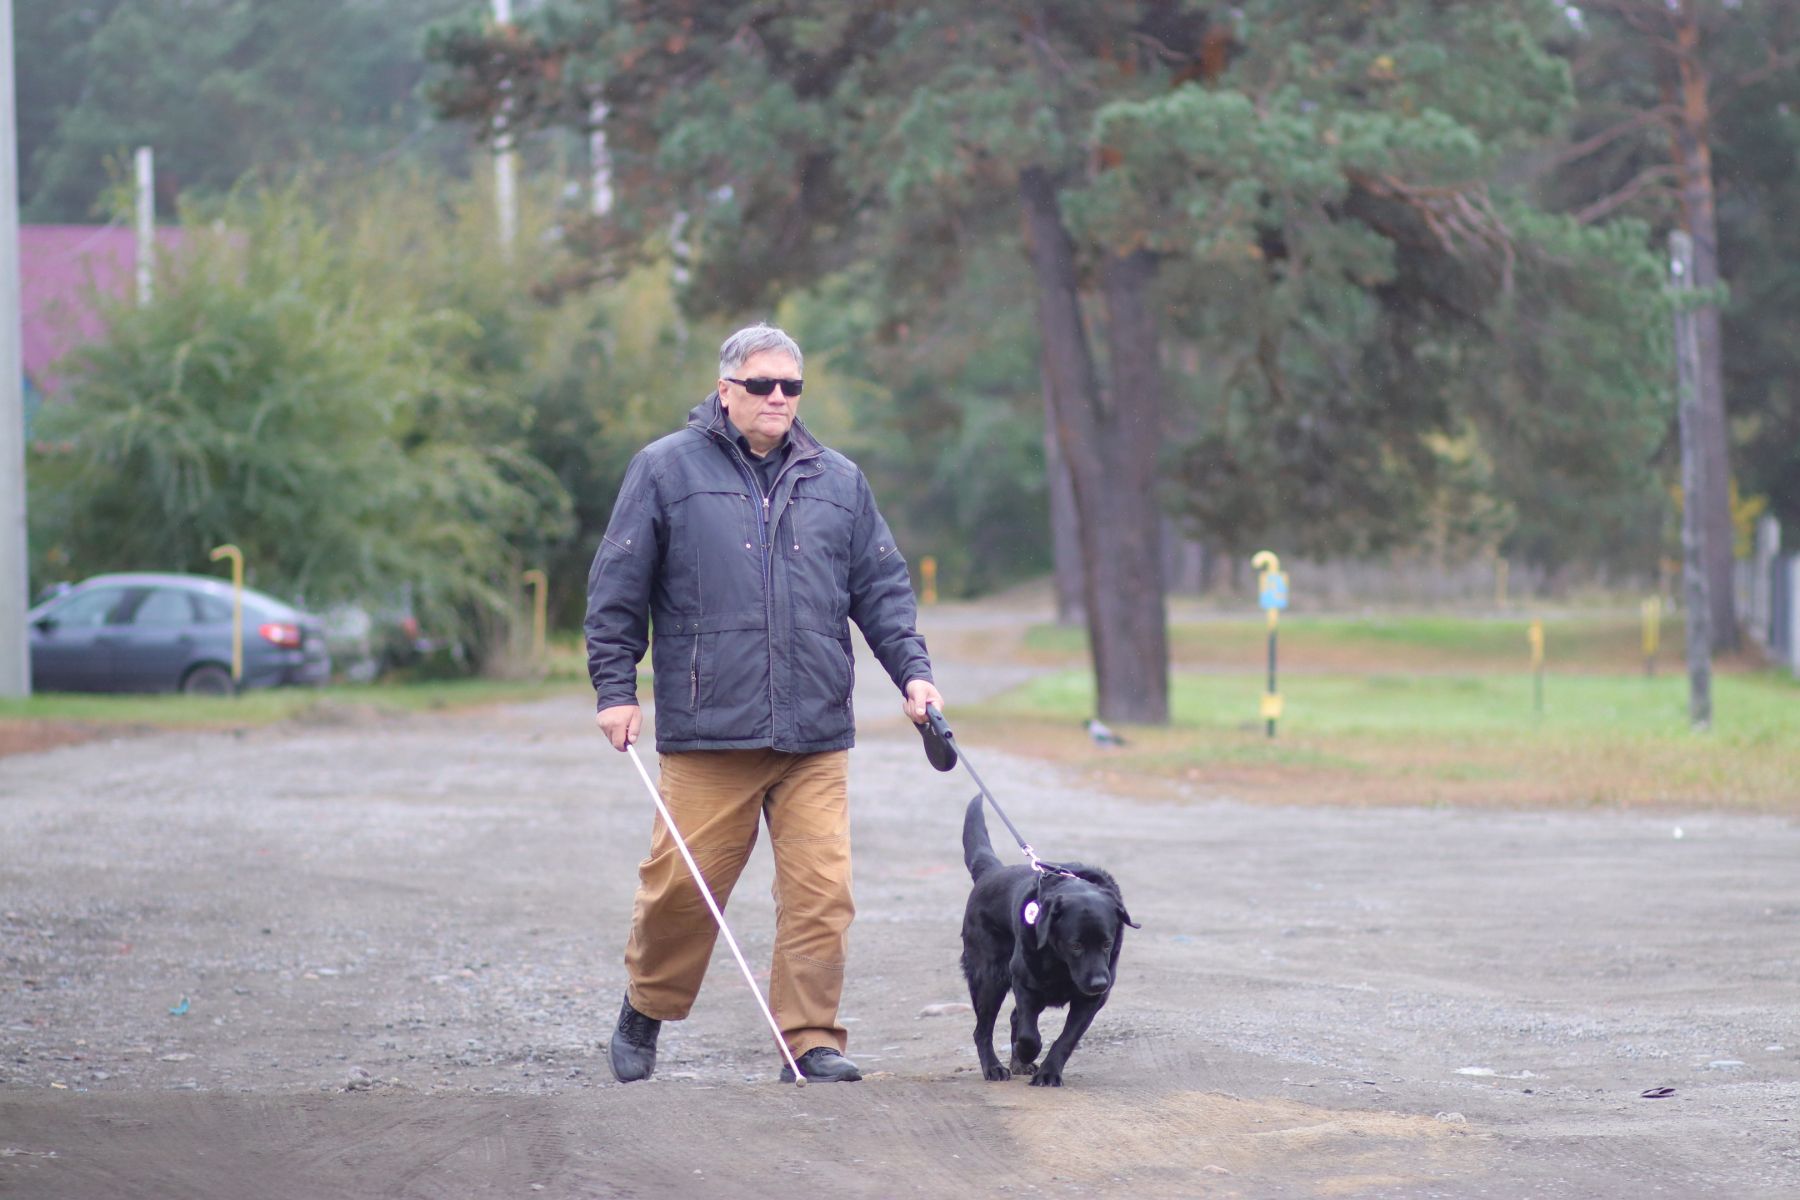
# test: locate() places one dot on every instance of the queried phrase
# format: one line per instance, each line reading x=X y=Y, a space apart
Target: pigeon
x=1101 y=734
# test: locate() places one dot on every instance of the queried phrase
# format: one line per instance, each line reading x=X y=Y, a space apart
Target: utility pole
x=146 y=225
x=506 y=159
x=15 y=582
x=1693 y=483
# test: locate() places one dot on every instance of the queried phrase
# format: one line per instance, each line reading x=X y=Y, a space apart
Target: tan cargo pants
x=717 y=798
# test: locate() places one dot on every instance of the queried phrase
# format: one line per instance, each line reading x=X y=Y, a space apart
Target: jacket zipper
x=768 y=563
x=694 y=674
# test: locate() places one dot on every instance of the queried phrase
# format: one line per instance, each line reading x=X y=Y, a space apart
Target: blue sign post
x=1272 y=593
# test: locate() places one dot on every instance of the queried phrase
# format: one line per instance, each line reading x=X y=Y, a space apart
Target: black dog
x=1052 y=938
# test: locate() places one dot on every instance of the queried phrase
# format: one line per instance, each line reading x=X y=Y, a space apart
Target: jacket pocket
x=823 y=676
x=675 y=658
x=819 y=520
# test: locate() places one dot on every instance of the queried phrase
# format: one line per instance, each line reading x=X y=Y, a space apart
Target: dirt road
x=376 y=957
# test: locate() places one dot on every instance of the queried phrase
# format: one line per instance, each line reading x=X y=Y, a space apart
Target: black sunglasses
x=762 y=387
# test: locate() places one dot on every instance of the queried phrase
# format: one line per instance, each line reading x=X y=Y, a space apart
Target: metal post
x=1272 y=594
x=540 y=610
x=146 y=225
x=1274 y=619
x=1535 y=635
x=506 y=163
x=237 y=608
x=1693 y=484
x=15 y=585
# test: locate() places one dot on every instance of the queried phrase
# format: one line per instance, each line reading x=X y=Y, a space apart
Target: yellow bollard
x=928 y=579
x=540 y=608
x=1536 y=636
x=237 y=606
x=1652 y=610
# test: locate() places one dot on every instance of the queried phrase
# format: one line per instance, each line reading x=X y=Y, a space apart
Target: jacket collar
x=708 y=417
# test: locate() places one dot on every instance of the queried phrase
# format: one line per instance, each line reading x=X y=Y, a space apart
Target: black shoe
x=822 y=1064
x=633 y=1048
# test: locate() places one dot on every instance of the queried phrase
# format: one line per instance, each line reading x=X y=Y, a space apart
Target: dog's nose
x=1096 y=984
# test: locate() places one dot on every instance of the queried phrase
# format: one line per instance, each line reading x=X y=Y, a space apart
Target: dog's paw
x=1023 y=1068
x=996 y=1074
x=1046 y=1078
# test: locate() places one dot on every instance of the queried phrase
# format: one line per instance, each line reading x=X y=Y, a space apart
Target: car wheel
x=208 y=679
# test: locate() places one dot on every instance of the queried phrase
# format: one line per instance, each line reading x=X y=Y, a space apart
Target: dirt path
x=397 y=942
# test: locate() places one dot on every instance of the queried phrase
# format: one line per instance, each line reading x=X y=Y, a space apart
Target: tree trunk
x=1065 y=528
x=1693 y=161
x=1108 y=441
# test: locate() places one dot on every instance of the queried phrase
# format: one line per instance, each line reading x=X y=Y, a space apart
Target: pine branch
x=1595 y=142
x=1647 y=178
x=1461 y=220
x=1650 y=20
x=1775 y=64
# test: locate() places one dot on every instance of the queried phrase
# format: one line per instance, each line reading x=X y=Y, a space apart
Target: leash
x=946 y=753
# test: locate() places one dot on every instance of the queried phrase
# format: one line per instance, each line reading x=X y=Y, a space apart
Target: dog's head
x=1080 y=920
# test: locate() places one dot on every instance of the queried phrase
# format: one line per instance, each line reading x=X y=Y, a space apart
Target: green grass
x=1609 y=642
x=266 y=706
x=1435 y=738
x=1752 y=709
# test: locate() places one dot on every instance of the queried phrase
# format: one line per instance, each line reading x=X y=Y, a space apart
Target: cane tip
x=799 y=1081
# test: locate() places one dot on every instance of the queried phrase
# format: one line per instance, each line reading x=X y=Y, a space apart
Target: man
x=746 y=548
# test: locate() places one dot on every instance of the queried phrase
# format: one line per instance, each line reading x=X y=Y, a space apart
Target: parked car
x=149 y=632
x=368 y=641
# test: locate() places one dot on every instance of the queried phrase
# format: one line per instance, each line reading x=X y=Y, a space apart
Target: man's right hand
x=620 y=724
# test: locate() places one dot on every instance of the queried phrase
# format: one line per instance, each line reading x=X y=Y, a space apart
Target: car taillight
x=279 y=633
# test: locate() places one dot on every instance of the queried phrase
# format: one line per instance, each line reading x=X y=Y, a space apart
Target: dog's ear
x=1046 y=915
x=1110 y=885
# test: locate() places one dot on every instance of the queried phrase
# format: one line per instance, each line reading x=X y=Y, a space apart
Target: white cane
x=706 y=894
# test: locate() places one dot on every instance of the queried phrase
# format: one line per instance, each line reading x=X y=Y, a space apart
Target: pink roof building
x=61 y=269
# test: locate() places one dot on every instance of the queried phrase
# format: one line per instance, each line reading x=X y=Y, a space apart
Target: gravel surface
x=378 y=956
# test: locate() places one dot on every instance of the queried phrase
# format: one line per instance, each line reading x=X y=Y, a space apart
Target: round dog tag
x=1030 y=913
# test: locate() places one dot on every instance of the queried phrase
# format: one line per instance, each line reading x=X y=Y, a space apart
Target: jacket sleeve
x=619 y=584
x=881 y=596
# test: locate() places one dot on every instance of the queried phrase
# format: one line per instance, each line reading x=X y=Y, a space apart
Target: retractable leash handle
x=940 y=743
x=718 y=916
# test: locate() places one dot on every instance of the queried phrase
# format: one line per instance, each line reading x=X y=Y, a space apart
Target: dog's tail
x=978 y=852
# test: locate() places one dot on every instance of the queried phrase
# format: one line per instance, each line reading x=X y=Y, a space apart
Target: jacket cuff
x=612 y=699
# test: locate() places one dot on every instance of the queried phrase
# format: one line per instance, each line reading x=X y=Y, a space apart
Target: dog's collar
x=1034 y=905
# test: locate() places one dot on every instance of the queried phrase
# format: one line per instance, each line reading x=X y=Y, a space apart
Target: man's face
x=763 y=420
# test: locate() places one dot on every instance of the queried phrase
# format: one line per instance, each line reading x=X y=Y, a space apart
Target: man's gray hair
x=745 y=344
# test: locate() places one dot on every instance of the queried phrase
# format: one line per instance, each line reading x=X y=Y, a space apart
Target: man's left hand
x=919 y=693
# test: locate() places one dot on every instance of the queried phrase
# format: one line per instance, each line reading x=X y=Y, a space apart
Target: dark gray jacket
x=750 y=599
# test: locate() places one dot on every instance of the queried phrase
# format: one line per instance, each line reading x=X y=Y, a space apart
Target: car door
x=72 y=643
x=155 y=641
